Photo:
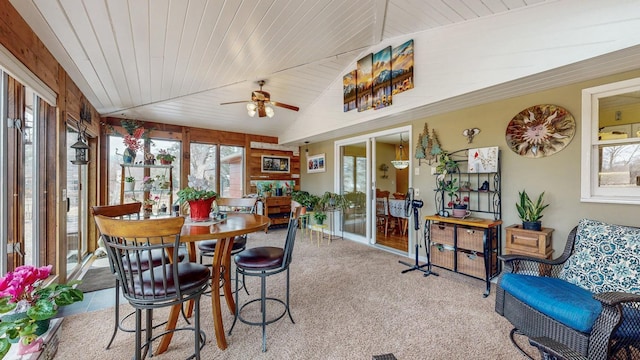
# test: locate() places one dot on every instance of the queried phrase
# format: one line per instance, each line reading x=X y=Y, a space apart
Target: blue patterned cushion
x=605 y=258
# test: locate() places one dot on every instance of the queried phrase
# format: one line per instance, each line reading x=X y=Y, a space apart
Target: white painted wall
x=474 y=55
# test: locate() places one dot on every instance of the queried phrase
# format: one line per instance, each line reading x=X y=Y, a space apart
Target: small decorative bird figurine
x=470 y=133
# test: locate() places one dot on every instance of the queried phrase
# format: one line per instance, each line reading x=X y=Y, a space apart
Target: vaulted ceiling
x=173 y=61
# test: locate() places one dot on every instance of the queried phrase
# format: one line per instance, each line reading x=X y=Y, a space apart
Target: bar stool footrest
x=280 y=316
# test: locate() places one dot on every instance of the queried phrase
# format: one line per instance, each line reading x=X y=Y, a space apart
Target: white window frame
x=590 y=191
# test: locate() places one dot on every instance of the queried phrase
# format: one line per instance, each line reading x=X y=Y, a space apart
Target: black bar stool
x=263 y=262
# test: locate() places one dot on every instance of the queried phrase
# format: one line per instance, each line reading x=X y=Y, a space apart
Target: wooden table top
x=470 y=221
x=236 y=224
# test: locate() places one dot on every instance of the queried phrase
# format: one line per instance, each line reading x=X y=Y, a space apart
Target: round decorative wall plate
x=540 y=131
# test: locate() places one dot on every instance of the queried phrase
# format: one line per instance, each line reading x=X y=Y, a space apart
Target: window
x=354 y=173
x=229 y=181
x=611 y=143
x=159 y=194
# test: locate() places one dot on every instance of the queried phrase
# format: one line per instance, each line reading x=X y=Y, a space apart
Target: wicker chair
x=615 y=333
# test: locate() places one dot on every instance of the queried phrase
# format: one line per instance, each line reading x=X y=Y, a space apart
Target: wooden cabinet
x=529 y=242
x=468 y=246
x=278 y=209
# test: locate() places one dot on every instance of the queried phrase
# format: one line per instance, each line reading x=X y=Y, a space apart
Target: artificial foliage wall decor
x=540 y=130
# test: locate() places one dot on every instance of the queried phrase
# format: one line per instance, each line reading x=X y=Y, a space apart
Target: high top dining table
x=236 y=224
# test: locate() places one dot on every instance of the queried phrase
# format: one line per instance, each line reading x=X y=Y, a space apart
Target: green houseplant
x=265 y=188
x=530 y=212
x=199 y=196
x=164 y=157
x=129 y=183
x=329 y=201
x=320 y=217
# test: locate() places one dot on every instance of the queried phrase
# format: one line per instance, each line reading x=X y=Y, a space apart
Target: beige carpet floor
x=349 y=301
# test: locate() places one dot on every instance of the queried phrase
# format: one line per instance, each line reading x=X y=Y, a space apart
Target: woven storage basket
x=471 y=239
x=442 y=256
x=471 y=263
x=442 y=233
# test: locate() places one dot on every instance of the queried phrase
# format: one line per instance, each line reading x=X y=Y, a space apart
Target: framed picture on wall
x=275 y=164
x=316 y=163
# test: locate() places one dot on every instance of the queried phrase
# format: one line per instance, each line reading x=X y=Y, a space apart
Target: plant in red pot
x=199 y=196
x=164 y=157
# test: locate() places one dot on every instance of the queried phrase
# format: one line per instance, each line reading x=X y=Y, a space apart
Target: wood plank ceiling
x=174 y=61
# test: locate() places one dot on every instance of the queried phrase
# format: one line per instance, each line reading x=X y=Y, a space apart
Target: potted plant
x=199 y=196
x=529 y=212
x=320 y=217
x=446 y=164
x=164 y=157
x=147 y=183
x=265 y=188
x=30 y=305
x=329 y=201
x=161 y=182
x=129 y=183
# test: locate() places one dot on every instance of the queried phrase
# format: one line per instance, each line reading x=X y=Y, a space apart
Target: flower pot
x=129 y=156
x=460 y=211
x=199 y=209
x=532 y=225
x=33 y=347
x=165 y=162
x=129 y=185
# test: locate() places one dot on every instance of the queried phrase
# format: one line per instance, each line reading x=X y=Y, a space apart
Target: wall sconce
x=384 y=168
x=470 y=133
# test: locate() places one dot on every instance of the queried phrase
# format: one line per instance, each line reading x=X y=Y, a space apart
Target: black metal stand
x=417 y=265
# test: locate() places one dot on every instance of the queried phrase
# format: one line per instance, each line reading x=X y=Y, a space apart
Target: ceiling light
x=269 y=111
x=399 y=163
x=251 y=109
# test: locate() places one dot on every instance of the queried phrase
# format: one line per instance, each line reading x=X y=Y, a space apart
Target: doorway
x=375 y=188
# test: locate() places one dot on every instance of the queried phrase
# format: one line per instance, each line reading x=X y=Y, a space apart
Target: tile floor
x=95 y=300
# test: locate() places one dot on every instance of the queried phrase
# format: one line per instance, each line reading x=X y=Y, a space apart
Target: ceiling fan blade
x=234 y=102
x=286 y=106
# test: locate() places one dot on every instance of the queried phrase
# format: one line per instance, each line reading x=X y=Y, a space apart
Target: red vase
x=199 y=209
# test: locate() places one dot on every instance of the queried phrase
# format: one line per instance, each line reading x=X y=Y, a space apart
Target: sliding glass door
x=365 y=171
x=353 y=172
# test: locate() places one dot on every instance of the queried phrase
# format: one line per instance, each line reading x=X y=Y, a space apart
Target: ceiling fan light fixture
x=269 y=111
x=251 y=109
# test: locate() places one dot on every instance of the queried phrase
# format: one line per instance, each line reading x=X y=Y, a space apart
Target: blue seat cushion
x=565 y=302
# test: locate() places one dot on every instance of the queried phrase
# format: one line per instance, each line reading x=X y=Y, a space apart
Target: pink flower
x=22 y=283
